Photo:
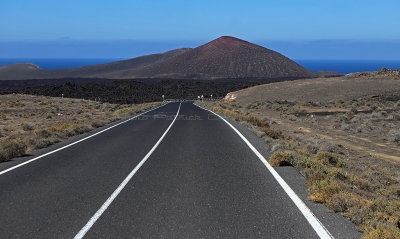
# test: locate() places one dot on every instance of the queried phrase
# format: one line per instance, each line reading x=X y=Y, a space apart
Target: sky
x=312 y=29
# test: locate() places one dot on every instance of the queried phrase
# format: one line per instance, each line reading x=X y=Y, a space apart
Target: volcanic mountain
x=224 y=58
x=23 y=71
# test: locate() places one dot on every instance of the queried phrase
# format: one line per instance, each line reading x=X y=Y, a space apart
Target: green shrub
x=330 y=159
x=257 y=122
x=43 y=133
x=66 y=133
x=273 y=133
x=2 y=133
x=323 y=190
x=97 y=124
x=343 y=201
x=27 y=127
x=82 y=129
x=382 y=232
x=127 y=110
x=12 y=149
x=39 y=143
x=394 y=136
x=369 y=197
x=2 y=156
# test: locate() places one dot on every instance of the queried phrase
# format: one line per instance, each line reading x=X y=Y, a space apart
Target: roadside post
x=163 y=98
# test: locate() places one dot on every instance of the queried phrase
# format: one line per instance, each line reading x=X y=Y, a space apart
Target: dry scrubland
x=342 y=134
x=33 y=122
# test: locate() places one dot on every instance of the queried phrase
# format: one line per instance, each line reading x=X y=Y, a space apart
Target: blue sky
x=98 y=28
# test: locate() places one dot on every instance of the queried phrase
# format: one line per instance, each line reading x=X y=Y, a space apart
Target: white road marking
x=117 y=191
x=69 y=145
x=311 y=218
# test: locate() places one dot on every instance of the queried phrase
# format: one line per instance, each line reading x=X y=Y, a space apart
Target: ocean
x=341 y=66
x=58 y=63
x=349 y=66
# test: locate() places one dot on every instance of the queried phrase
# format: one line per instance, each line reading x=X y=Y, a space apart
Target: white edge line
x=69 y=145
x=311 y=218
x=117 y=191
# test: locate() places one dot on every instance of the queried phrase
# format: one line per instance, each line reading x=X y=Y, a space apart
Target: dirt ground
x=357 y=111
x=323 y=90
x=310 y=123
x=30 y=122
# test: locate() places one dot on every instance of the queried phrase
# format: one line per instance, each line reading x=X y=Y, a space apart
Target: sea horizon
x=341 y=66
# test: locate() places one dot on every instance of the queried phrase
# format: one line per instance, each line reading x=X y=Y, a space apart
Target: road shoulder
x=338 y=226
x=37 y=153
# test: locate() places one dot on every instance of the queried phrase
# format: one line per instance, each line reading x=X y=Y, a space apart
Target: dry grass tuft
x=34 y=122
x=124 y=111
x=394 y=136
x=330 y=158
x=257 y=122
x=273 y=133
x=27 y=127
x=98 y=123
x=382 y=232
x=368 y=195
x=372 y=205
x=281 y=159
x=11 y=148
x=262 y=124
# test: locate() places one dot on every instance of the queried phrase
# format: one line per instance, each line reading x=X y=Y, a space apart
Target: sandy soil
x=354 y=118
x=359 y=111
x=324 y=90
x=31 y=122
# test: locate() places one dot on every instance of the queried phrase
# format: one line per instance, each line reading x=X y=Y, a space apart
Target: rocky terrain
x=31 y=122
x=348 y=87
x=341 y=133
x=129 y=91
x=384 y=73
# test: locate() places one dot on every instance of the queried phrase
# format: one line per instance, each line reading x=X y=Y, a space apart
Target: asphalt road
x=161 y=175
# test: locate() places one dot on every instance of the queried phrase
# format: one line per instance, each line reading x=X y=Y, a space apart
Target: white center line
x=117 y=191
x=318 y=227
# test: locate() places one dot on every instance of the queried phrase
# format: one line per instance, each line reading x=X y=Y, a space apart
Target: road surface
x=175 y=172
